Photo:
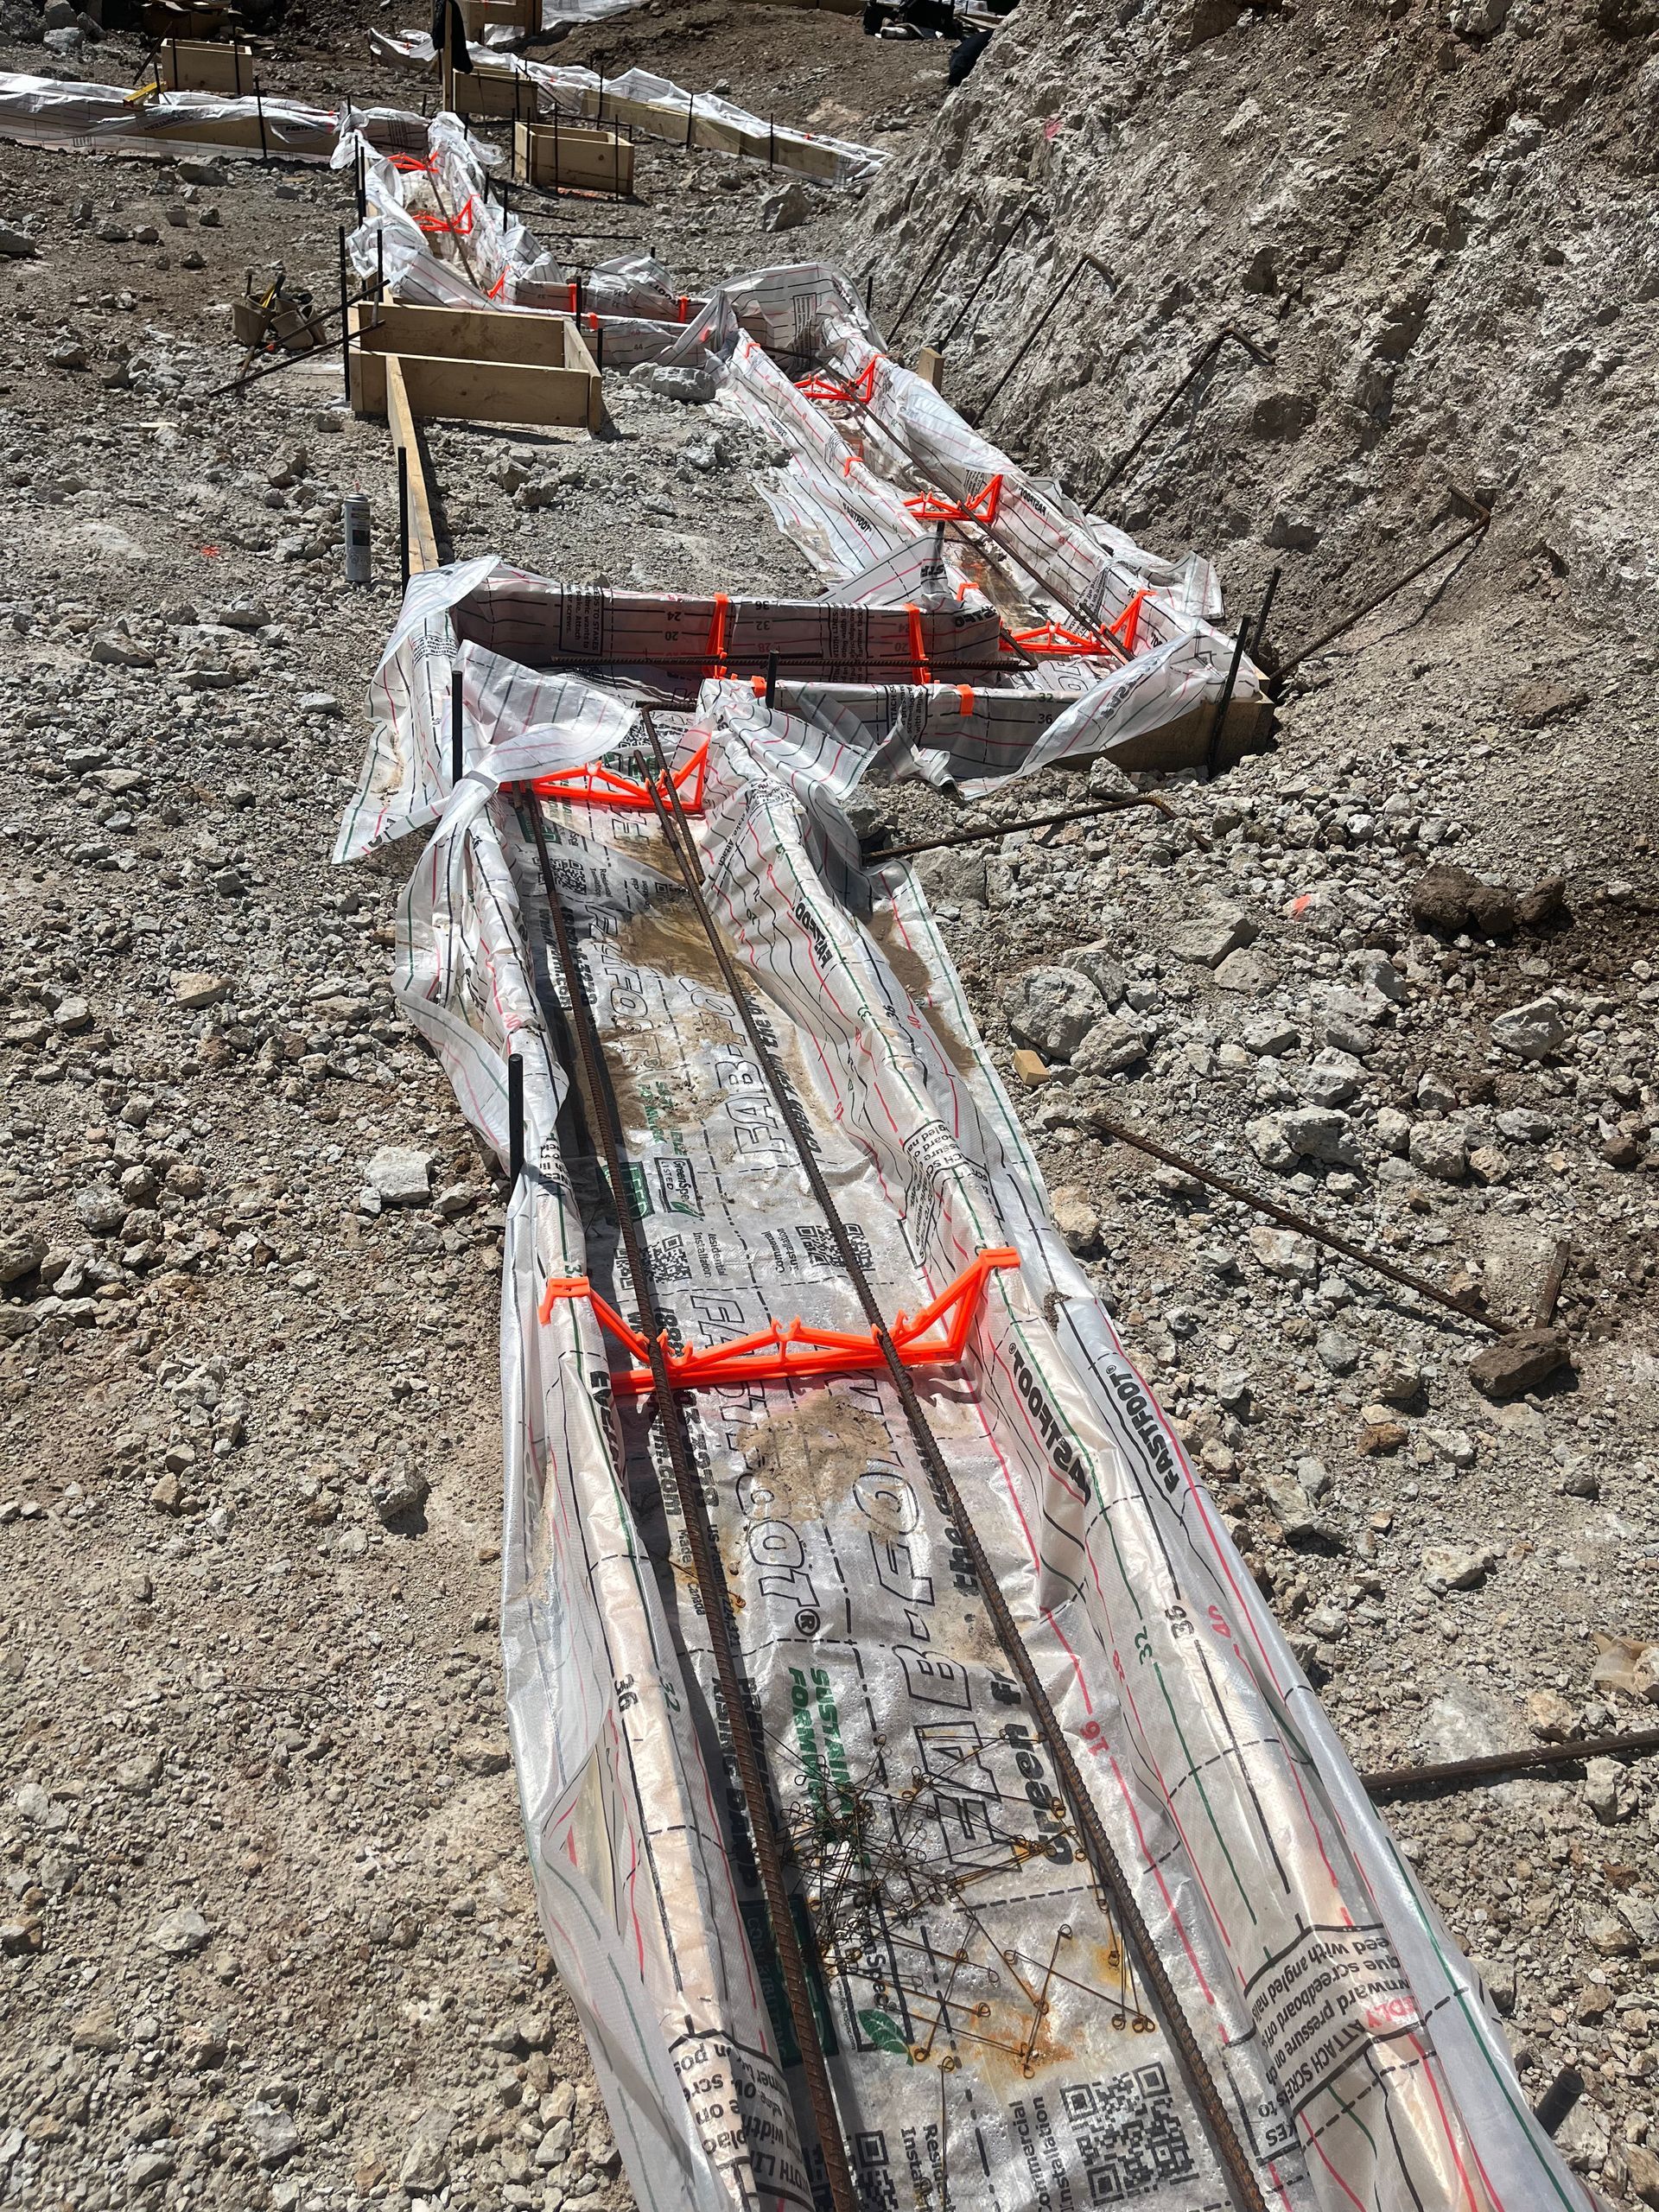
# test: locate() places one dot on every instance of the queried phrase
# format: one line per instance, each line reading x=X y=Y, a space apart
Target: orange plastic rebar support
x=824 y=384
x=458 y=225
x=930 y=507
x=791 y=1354
x=1054 y=641
x=597 y=785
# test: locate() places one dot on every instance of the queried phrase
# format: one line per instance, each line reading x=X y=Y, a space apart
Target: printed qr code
x=1129 y=2134
x=571 y=876
x=819 y=1245
x=670 y=1261
x=873 y=2175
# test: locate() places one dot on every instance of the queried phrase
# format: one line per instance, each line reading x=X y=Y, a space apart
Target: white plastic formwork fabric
x=843 y=516
x=584 y=11
x=704 y=122
x=676 y=640
x=840 y=494
x=517 y=637
x=699 y=122
x=988 y=2040
x=515 y=720
x=622 y=1802
x=475 y=263
x=92 y=119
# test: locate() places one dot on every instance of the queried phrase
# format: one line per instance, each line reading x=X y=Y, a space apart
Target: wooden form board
x=480 y=16
x=184 y=64
x=424 y=552
x=491 y=92
x=478 y=365
x=588 y=157
x=693 y=127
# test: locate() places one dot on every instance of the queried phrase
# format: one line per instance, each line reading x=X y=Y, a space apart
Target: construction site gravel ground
x=267 y=1934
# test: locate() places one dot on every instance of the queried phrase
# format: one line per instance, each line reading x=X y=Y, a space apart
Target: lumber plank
x=581 y=362
x=422 y=538
x=523 y=336
x=185 y=65
x=792 y=149
x=589 y=158
x=495 y=391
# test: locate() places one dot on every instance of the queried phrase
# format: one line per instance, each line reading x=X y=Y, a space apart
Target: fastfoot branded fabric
x=989 y=2039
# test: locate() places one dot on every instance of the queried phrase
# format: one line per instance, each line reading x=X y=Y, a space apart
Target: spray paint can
x=354 y=535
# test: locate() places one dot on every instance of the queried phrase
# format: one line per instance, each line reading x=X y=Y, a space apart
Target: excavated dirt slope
x=1434 y=222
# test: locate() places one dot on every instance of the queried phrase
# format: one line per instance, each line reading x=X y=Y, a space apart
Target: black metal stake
x=344 y=323
x=1261 y=614
x=403 y=515
x=1558 y=2099
x=933 y=260
x=690 y=118
x=988 y=271
x=514 y=1118
x=1116 y=803
x=457 y=763
x=380 y=264
x=1369 y=607
x=259 y=111
x=1212 y=751
x=771 y=142
x=1200 y=362
x=1083 y=261
x=772 y=679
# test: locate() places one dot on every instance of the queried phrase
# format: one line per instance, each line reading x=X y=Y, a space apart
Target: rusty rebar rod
x=1200 y=362
x=1451 y=1774
x=746 y=1744
x=1115 y=803
x=1463 y=1305
x=988 y=272
x=933 y=260
x=1083 y=261
x=1482 y=519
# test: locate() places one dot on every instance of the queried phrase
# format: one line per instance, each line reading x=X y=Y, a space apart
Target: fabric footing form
x=990 y=2037
x=702 y=123
x=90 y=118
x=1123 y=647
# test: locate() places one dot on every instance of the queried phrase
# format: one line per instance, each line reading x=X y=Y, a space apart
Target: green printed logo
x=884 y=2034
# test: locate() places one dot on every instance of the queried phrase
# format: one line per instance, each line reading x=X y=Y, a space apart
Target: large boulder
x=1053 y=1009
x=1449 y=901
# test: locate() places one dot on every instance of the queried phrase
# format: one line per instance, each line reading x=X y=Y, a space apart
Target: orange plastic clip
x=715 y=663
x=457 y=227
x=1054 y=641
x=824 y=384
x=918 y=649
x=928 y=506
x=597 y=785
x=776 y=1355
